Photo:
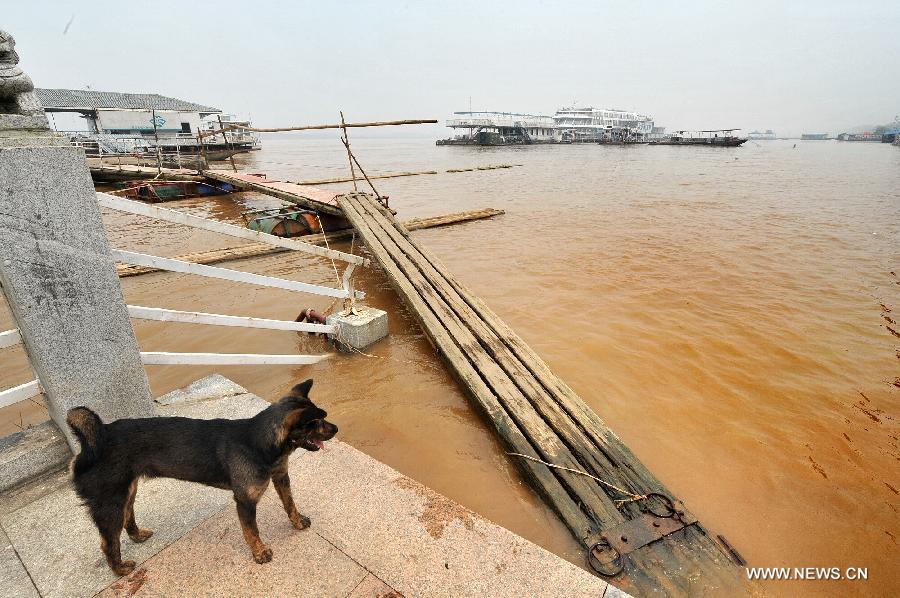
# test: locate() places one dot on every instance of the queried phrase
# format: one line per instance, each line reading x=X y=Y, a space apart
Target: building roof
x=72 y=99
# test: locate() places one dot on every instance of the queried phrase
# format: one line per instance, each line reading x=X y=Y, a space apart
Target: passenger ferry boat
x=568 y=125
x=598 y=125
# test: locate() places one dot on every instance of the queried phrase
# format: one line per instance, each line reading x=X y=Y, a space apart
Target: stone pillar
x=55 y=265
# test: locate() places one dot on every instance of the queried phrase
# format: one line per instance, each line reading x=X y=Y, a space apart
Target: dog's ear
x=302 y=389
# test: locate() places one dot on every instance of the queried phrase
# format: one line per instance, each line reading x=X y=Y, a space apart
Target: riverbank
x=375 y=533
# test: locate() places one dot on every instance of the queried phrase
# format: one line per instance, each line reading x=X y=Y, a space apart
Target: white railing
x=22 y=392
x=345 y=291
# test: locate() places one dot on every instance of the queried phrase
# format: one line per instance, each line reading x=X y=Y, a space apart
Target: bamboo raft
x=539 y=417
x=240 y=252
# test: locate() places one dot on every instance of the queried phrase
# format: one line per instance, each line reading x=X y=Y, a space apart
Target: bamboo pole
x=225 y=142
x=353 y=157
x=386 y=123
x=346 y=143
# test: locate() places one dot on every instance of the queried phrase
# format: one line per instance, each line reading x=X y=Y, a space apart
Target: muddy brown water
x=731 y=314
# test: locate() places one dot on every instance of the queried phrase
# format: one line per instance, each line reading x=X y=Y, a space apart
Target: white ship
x=499 y=128
x=568 y=125
x=593 y=125
x=769 y=134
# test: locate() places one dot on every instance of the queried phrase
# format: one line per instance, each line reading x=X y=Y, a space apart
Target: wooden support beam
x=163 y=358
x=194 y=317
x=171 y=265
x=295 y=198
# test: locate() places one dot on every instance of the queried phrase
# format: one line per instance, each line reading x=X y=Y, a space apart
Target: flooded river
x=733 y=314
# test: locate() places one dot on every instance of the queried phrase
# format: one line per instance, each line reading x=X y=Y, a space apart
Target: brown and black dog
x=240 y=455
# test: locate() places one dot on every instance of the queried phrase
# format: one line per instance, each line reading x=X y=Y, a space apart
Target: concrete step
x=374 y=532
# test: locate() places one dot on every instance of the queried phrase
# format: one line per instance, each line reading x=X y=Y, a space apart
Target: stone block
x=359 y=330
x=29 y=454
x=62 y=288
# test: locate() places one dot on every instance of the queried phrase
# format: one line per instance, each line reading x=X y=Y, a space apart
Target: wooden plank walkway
x=227 y=254
x=302 y=195
x=536 y=414
x=128 y=172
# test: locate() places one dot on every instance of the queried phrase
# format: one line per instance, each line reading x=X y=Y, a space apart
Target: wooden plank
x=580 y=443
x=163 y=358
x=22 y=392
x=171 y=265
x=137 y=207
x=226 y=254
x=127 y=172
x=10 y=338
x=454 y=356
x=268 y=189
x=661 y=564
x=195 y=317
x=544 y=438
x=688 y=562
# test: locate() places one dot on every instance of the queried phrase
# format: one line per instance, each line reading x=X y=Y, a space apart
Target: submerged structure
x=106 y=122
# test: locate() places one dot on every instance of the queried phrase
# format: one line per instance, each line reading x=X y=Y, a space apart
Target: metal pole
x=156 y=137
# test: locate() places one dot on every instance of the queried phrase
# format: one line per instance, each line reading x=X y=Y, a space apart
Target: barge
x=711 y=138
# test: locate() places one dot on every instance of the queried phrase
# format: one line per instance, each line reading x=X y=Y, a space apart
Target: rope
x=325 y=238
x=619 y=503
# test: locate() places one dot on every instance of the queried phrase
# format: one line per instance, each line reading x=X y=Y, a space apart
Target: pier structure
x=634 y=529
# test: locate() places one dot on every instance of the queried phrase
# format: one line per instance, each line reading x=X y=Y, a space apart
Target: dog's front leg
x=246 y=509
x=282 y=484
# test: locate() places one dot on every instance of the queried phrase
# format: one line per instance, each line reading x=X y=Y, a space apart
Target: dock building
x=118 y=123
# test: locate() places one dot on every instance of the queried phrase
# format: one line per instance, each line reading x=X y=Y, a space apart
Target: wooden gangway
x=634 y=530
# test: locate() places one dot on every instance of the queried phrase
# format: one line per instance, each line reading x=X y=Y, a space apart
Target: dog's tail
x=88 y=427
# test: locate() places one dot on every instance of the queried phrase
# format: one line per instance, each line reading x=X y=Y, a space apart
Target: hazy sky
x=790 y=66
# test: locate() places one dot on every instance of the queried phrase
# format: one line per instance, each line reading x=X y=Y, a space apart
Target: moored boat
x=158 y=191
x=711 y=137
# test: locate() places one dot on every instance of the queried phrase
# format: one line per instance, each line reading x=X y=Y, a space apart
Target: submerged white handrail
x=172 y=265
x=10 y=338
x=143 y=209
x=163 y=358
x=13 y=395
x=195 y=317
